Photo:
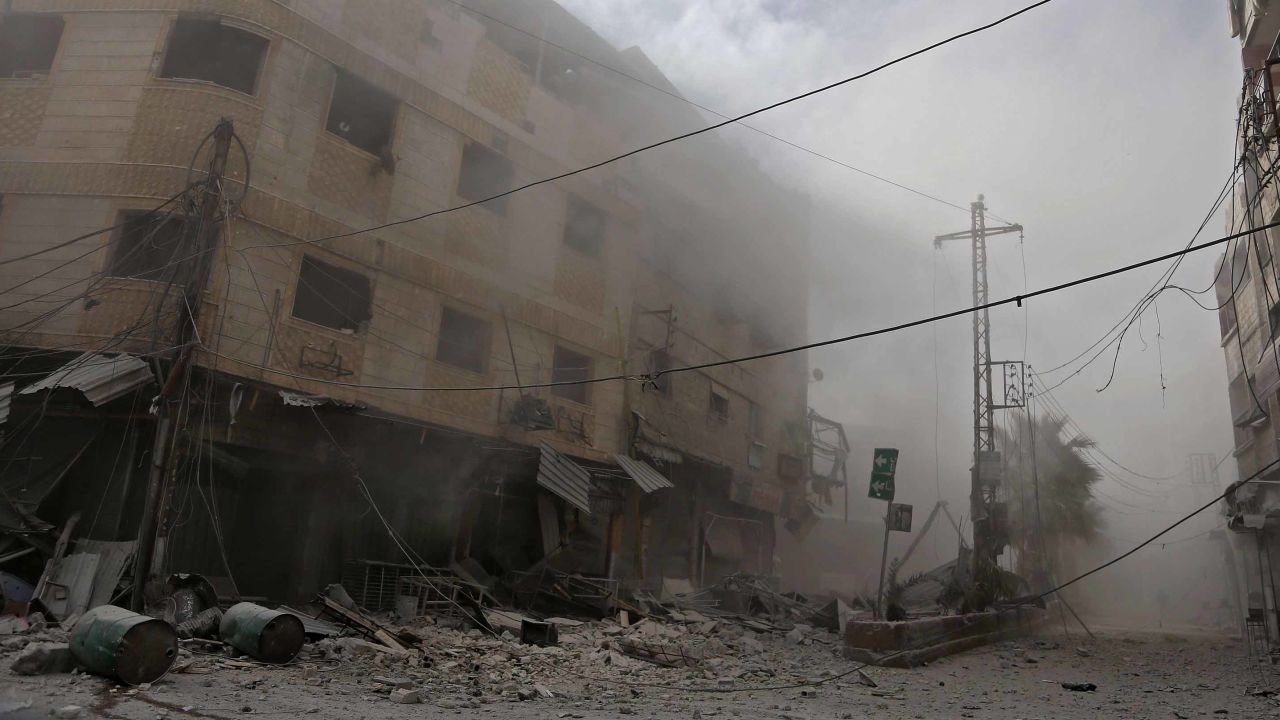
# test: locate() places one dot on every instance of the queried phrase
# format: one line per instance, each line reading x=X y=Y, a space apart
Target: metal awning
x=562 y=476
x=643 y=473
x=101 y=378
x=6 y=400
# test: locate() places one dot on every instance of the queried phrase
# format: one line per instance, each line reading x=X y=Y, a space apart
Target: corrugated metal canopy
x=562 y=476
x=6 y=399
x=643 y=473
x=101 y=378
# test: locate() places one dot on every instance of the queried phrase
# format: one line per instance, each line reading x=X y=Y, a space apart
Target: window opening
x=463 y=340
x=719 y=405
x=484 y=173
x=210 y=51
x=28 y=44
x=332 y=296
x=146 y=245
x=570 y=366
x=362 y=114
x=584 y=226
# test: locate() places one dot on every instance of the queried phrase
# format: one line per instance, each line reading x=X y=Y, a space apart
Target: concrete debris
x=589 y=673
x=796 y=636
x=67 y=712
x=749 y=644
x=1080 y=687
x=405 y=697
x=43 y=658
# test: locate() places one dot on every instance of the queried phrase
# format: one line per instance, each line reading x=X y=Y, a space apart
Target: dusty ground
x=1138 y=676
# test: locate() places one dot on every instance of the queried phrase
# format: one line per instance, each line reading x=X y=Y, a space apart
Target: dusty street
x=1137 y=676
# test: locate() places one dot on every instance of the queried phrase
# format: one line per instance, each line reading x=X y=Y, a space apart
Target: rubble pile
x=474 y=656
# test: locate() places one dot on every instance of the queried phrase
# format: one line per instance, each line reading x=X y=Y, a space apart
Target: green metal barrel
x=262 y=634
x=124 y=645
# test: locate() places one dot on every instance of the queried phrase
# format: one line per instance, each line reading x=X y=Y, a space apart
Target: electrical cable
x=1055 y=403
x=1230 y=489
x=683 y=136
x=86 y=236
x=1238 y=162
x=652 y=376
x=720 y=115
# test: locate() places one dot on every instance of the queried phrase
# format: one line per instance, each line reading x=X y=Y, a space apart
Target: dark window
x=332 y=296
x=755 y=426
x=464 y=340
x=719 y=405
x=362 y=114
x=1222 y=285
x=28 y=44
x=220 y=54
x=427 y=36
x=661 y=361
x=146 y=245
x=755 y=455
x=484 y=174
x=583 y=226
x=570 y=366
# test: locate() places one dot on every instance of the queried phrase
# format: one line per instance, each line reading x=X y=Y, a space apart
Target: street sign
x=883 y=466
x=900 y=517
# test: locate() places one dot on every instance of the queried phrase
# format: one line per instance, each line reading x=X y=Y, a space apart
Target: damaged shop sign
x=303 y=400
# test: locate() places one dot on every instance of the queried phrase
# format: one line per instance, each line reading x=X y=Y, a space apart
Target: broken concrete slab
x=405 y=696
x=44 y=658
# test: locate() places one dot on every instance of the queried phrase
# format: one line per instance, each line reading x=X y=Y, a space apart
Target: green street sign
x=883 y=467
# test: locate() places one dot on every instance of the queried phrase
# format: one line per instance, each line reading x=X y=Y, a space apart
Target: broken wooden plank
x=364 y=623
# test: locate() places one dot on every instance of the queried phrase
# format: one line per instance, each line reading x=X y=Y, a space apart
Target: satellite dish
x=817 y=374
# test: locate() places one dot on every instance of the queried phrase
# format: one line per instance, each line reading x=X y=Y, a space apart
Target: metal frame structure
x=981 y=497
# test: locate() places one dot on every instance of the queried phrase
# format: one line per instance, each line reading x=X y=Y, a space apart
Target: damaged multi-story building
x=1247 y=287
x=367 y=386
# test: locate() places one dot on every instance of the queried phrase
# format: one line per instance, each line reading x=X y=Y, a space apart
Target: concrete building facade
x=1248 y=295
x=329 y=352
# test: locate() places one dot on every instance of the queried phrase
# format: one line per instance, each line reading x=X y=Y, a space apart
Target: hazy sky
x=1104 y=127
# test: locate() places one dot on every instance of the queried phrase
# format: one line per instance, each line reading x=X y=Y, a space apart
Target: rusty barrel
x=261 y=633
x=124 y=645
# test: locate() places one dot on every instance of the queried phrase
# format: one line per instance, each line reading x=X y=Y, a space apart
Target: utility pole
x=982 y=493
x=201 y=239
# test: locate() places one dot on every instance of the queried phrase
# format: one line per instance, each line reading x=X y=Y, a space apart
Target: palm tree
x=1050 y=499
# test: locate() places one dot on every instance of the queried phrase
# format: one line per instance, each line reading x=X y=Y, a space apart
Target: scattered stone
x=43 y=658
x=67 y=712
x=750 y=644
x=1083 y=652
x=405 y=697
x=392 y=682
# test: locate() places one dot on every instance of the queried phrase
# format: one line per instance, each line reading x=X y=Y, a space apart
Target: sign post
x=883 y=467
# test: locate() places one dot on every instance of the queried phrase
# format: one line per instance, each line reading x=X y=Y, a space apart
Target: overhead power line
x=704 y=108
x=1230 y=489
x=675 y=139
x=1016 y=299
